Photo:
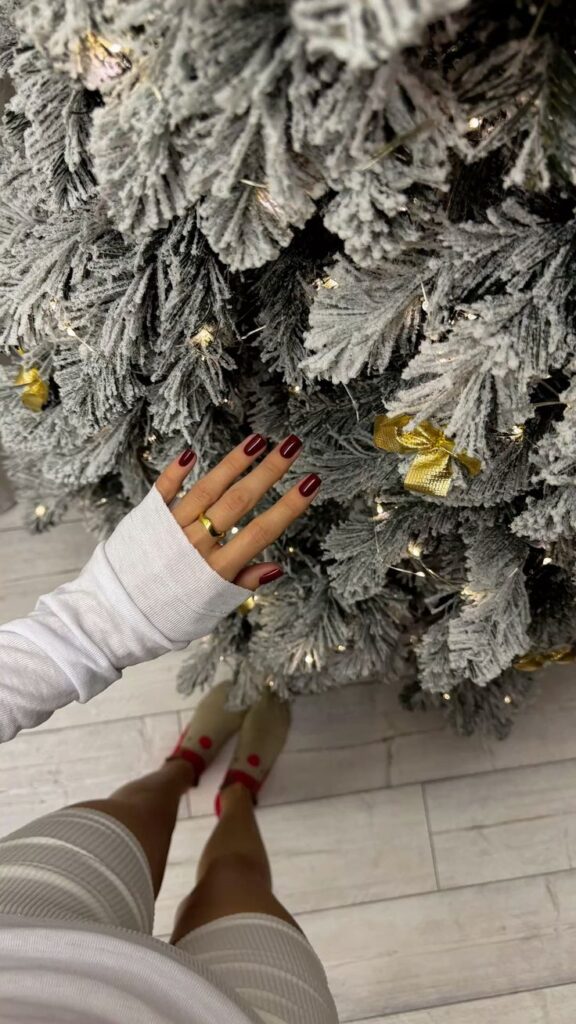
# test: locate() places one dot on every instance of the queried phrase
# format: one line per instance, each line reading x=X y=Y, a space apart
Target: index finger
x=264 y=529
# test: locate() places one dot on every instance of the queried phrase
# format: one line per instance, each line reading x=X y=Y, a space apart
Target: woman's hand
x=225 y=499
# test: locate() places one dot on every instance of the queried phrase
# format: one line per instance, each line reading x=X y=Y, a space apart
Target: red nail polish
x=309 y=484
x=186 y=457
x=290 y=446
x=272 y=574
x=255 y=444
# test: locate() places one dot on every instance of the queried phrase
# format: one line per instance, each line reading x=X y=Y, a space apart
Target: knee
x=234 y=869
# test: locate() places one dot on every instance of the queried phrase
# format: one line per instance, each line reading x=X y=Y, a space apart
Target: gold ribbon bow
x=35 y=391
x=534 y=660
x=431 y=469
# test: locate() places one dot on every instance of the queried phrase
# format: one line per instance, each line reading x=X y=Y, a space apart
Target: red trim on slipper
x=185 y=754
x=235 y=775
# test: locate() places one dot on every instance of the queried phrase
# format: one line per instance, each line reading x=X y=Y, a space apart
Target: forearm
x=144 y=592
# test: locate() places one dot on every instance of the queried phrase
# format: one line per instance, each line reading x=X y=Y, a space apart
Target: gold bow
x=34 y=390
x=431 y=469
x=534 y=660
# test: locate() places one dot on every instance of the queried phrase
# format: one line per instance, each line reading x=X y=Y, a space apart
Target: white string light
x=446 y=696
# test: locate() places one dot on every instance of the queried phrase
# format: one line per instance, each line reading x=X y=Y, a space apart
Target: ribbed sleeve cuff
x=166 y=578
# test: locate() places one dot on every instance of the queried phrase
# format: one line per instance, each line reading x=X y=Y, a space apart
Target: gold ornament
x=34 y=390
x=247 y=605
x=431 y=469
x=204 y=337
x=99 y=61
x=534 y=660
x=473 y=596
x=325 y=282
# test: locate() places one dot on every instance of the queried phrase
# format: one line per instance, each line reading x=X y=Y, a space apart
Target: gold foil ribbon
x=431 y=469
x=34 y=394
x=534 y=660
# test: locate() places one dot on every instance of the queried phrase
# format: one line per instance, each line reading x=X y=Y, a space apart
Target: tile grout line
x=432 y=780
x=438 y=892
x=430 y=835
x=460 y=1002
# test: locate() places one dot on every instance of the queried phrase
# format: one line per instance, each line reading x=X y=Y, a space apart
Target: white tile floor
x=435 y=875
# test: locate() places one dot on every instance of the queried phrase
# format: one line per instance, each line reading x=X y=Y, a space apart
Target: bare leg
x=149 y=807
x=233 y=873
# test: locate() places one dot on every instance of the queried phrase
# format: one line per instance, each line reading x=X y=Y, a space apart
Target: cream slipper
x=210 y=727
x=260 y=741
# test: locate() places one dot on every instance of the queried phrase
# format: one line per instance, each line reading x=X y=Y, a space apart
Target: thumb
x=253 y=576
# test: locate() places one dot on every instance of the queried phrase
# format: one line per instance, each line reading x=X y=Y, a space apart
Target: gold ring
x=209 y=526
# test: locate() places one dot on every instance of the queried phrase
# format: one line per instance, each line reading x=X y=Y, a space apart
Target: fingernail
x=186 y=457
x=309 y=484
x=290 y=446
x=255 y=444
x=272 y=574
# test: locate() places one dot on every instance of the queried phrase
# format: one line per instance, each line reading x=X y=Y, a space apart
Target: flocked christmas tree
x=350 y=219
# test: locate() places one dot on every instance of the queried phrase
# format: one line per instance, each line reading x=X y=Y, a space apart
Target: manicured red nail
x=290 y=446
x=186 y=457
x=309 y=484
x=255 y=444
x=272 y=574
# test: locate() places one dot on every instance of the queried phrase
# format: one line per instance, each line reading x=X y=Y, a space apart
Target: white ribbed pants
x=79 y=864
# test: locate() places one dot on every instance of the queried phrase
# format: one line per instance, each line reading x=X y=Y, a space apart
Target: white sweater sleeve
x=143 y=592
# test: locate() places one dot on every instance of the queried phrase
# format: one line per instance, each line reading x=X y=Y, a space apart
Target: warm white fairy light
x=309 y=659
x=379 y=508
x=291 y=550
x=294 y=389
x=40 y=511
x=407 y=572
x=446 y=696
x=547 y=560
x=424 y=298
x=271 y=683
x=517 y=432
x=507 y=699
x=234 y=529
x=474 y=123
x=414 y=549
x=340 y=647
